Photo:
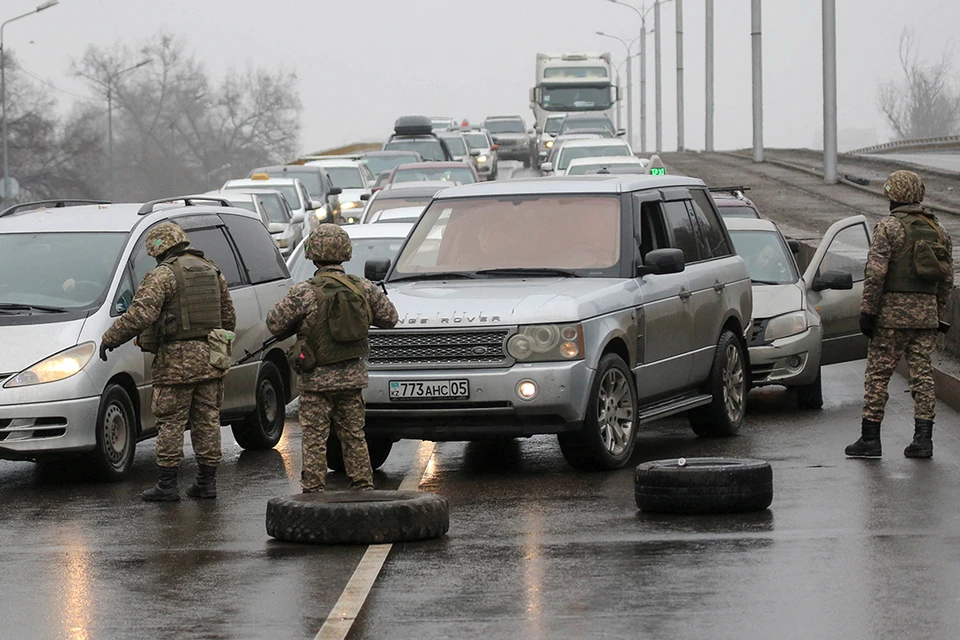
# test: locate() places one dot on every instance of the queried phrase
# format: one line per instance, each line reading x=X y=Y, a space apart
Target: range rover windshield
x=563 y=235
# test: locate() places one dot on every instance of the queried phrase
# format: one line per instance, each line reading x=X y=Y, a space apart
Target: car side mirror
x=314 y=205
x=376 y=270
x=494 y=147
x=835 y=280
x=335 y=191
x=546 y=167
x=474 y=152
x=662 y=261
x=794 y=245
x=621 y=132
x=276 y=227
x=364 y=197
x=298 y=218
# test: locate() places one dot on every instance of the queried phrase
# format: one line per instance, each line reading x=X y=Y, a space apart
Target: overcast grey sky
x=361 y=63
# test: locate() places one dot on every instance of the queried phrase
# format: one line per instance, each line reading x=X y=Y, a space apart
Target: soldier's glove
x=868 y=323
x=103 y=351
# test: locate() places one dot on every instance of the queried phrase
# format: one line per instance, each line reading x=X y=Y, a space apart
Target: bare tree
x=925 y=102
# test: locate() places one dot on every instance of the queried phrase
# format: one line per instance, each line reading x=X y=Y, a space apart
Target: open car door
x=834 y=285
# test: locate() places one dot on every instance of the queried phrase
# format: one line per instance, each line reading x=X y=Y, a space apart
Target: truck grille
x=479 y=347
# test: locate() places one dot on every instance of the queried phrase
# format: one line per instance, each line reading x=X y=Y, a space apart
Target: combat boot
x=868 y=446
x=166 y=489
x=922 y=445
x=205 y=486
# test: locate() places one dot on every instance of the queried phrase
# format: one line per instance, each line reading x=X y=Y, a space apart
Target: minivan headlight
x=547 y=343
x=57 y=367
x=789 y=324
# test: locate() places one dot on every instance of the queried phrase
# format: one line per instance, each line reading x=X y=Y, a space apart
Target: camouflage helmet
x=328 y=243
x=165 y=236
x=904 y=186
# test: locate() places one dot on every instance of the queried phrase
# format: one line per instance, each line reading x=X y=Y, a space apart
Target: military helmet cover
x=904 y=186
x=328 y=243
x=165 y=236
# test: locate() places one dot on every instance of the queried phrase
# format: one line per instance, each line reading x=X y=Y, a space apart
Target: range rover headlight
x=547 y=343
x=789 y=324
x=61 y=366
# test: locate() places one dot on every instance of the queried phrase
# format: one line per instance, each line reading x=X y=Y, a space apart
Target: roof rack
x=52 y=204
x=733 y=189
x=188 y=201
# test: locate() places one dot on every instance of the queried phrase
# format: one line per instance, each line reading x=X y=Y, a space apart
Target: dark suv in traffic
x=516 y=143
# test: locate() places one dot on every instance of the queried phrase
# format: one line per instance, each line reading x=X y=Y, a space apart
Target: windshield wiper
x=529 y=271
x=766 y=282
x=15 y=306
x=439 y=275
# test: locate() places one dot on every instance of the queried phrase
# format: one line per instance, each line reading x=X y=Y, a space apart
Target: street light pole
x=829 y=91
x=629 y=83
x=755 y=22
x=709 y=74
x=680 y=125
x=658 y=85
x=3 y=92
x=110 y=80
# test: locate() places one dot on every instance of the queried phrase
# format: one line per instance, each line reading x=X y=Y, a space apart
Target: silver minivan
x=67 y=270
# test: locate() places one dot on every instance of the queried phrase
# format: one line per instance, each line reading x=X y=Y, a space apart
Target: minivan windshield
x=519 y=234
x=57 y=269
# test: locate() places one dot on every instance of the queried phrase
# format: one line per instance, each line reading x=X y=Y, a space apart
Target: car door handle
x=718 y=286
x=684 y=294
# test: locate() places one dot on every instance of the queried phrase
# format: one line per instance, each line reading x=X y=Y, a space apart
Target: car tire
x=116 y=431
x=379 y=449
x=358 y=517
x=596 y=446
x=703 y=486
x=263 y=428
x=728 y=386
x=810 y=396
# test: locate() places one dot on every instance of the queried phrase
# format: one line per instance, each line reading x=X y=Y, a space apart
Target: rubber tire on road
x=379 y=449
x=704 y=486
x=810 y=396
x=358 y=517
x=584 y=449
x=712 y=420
x=256 y=431
x=114 y=396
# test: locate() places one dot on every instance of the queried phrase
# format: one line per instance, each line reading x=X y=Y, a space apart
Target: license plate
x=429 y=390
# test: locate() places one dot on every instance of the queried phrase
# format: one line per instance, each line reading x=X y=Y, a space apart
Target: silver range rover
x=582 y=307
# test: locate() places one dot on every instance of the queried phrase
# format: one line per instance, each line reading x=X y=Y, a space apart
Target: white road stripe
x=348 y=606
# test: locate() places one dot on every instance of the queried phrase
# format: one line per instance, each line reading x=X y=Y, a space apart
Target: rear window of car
x=504 y=126
x=428 y=148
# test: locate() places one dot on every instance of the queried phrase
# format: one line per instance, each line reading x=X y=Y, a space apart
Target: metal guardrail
x=900 y=145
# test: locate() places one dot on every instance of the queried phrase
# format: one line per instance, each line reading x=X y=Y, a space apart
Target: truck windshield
x=47 y=269
x=575 y=72
x=576 y=98
x=428 y=148
x=574 y=233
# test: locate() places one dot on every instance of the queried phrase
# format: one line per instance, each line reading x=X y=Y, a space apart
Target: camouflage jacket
x=895 y=310
x=300 y=303
x=183 y=362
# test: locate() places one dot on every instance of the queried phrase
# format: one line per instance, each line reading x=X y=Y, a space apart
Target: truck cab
x=570 y=82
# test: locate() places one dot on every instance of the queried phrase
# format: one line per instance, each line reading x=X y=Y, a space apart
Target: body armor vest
x=324 y=337
x=902 y=274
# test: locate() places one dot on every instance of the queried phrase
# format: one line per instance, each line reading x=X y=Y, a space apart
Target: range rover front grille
x=425 y=347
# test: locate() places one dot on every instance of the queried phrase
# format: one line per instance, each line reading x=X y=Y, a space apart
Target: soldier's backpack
x=931 y=258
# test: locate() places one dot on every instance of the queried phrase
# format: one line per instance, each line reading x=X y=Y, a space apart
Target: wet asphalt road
x=851 y=549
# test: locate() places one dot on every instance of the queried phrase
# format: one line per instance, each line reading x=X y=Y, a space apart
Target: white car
x=400 y=214
x=802 y=321
x=590 y=148
x=285 y=228
x=355 y=180
x=370 y=242
x=607 y=164
x=292 y=189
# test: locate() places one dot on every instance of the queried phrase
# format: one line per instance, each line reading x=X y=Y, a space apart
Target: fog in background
x=361 y=63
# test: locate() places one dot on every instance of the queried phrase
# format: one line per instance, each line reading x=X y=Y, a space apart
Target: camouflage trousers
x=174 y=406
x=344 y=410
x=886 y=349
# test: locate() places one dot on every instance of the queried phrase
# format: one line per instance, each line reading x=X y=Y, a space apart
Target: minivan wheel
x=609 y=432
x=116 y=431
x=262 y=428
x=728 y=386
x=379 y=449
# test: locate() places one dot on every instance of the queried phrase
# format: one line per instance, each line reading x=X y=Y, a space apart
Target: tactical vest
x=902 y=273
x=323 y=337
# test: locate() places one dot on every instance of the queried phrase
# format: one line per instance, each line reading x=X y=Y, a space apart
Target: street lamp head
x=600 y=33
x=47 y=5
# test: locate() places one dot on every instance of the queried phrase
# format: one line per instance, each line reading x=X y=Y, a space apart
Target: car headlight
x=547 y=343
x=789 y=324
x=57 y=367
x=349 y=205
x=482 y=158
x=319 y=215
x=549 y=144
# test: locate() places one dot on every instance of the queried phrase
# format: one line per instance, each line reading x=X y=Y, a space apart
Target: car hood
x=351 y=195
x=506 y=301
x=27 y=344
x=771 y=300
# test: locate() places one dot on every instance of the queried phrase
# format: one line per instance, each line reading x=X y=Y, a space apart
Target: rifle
x=269 y=342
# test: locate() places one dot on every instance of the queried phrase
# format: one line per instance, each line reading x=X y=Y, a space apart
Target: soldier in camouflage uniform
x=330 y=394
x=178 y=304
x=901 y=312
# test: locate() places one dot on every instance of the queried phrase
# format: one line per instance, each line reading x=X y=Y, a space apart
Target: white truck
x=570 y=82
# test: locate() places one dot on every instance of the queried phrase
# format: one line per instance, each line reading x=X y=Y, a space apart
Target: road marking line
x=347 y=608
